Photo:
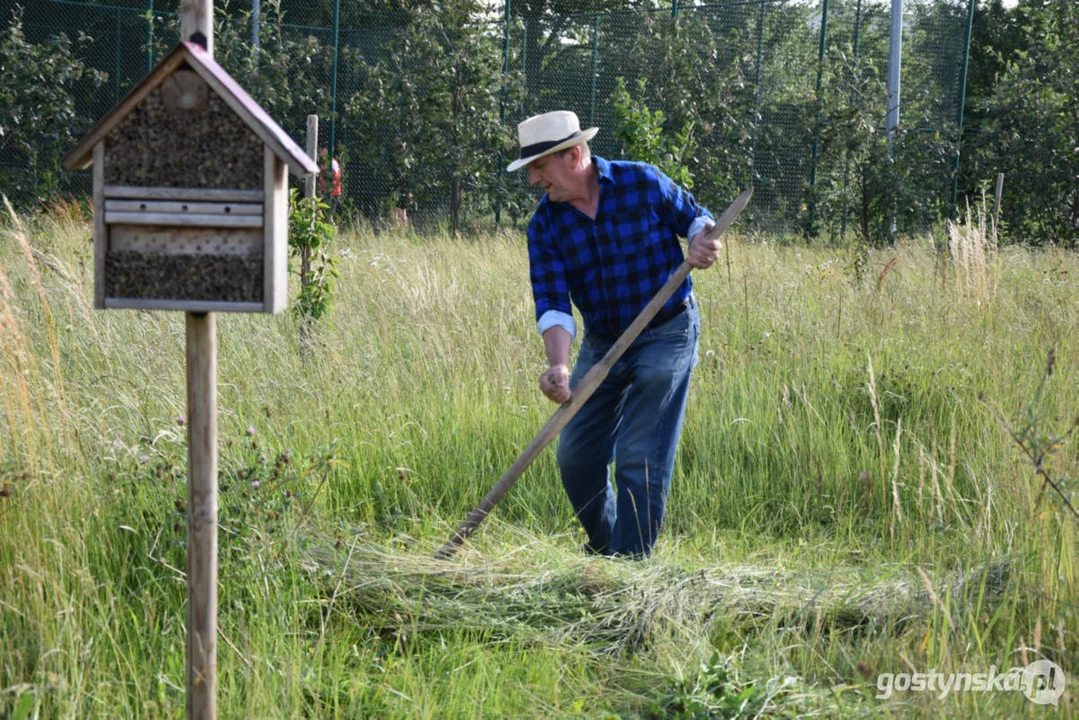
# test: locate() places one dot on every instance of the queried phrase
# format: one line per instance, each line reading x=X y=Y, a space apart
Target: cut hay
x=616 y=606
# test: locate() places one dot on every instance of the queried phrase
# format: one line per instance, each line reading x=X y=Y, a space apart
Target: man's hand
x=703 y=252
x=554 y=382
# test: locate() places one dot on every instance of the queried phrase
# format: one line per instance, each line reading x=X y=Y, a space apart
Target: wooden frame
x=275 y=259
x=184 y=305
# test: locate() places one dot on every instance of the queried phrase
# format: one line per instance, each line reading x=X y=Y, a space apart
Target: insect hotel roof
x=235 y=97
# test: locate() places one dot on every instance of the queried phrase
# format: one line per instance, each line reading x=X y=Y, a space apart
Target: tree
x=550 y=34
x=1030 y=130
x=643 y=137
x=351 y=13
x=439 y=93
x=287 y=74
x=38 y=120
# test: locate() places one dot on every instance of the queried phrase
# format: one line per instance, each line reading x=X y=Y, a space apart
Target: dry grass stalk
x=15 y=387
x=20 y=235
x=951 y=464
x=895 y=472
x=921 y=473
x=973 y=249
x=937 y=604
x=70 y=282
x=877 y=425
x=935 y=473
x=888 y=268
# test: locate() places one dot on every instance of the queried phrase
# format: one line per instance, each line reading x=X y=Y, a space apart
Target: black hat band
x=539 y=148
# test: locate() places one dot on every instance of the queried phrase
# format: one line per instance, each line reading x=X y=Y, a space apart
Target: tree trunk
x=865 y=204
x=455 y=206
x=457 y=113
x=1075 y=210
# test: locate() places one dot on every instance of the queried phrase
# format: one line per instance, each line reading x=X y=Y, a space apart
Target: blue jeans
x=635 y=419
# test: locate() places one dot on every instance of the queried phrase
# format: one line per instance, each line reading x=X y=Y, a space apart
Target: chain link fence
x=786 y=95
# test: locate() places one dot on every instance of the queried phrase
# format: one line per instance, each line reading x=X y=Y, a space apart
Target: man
x=330 y=170
x=606 y=237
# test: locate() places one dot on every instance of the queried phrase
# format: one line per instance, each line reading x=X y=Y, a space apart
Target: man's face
x=553 y=173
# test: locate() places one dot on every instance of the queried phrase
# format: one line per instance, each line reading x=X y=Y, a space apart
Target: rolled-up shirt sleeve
x=680 y=210
x=547 y=271
x=703 y=222
x=553 y=318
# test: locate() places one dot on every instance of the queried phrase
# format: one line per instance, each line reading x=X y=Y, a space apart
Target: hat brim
x=584 y=137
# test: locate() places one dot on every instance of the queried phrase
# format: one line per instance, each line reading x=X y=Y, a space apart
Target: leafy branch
x=309 y=235
x=643 y=136
x=1039 y=445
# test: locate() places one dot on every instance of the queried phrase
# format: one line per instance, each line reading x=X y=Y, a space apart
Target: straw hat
x=549 y=133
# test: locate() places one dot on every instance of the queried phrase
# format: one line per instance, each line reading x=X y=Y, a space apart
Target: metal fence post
x=959 y=111
x=853 y=87
x=502 y=105
x=255 y=10
x=595 y=69
x=816 y=131
x=116 y=70
x=333 y=79
x=149 y=36
x=757 y=95
x=895 y=61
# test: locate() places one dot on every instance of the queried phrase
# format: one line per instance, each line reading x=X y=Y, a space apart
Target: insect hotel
x=190 y=194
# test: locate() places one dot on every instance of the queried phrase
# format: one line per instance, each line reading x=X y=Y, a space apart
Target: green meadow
x=867 y=483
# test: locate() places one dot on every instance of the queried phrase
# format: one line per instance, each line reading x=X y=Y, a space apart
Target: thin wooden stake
x=312 y=152
x=998 y=196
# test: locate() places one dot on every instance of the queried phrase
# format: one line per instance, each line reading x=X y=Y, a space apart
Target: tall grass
x=845 y=503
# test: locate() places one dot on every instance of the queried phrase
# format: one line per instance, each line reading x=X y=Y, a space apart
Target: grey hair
x=586 y=153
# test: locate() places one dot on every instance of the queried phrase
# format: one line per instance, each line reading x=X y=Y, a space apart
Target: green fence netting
x=770 y=103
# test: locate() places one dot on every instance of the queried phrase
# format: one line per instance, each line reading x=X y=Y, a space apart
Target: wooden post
x=996 y=205
x=312 y=152
x=309 y=192
x=201 y=516
x=197 y=16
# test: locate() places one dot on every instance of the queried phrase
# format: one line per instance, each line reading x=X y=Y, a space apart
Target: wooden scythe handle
x=588 y=384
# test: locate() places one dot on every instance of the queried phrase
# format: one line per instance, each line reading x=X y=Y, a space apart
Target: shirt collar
x=604 y=168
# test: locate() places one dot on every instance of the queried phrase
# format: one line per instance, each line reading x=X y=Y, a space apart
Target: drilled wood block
x=185 y=241
x=229 y=278
x=165 y=142
x=183 y=219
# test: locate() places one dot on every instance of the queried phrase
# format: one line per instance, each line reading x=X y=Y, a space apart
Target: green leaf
x=23 y=707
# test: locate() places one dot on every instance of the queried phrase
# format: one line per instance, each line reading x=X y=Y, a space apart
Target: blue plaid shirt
x=612 y=266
